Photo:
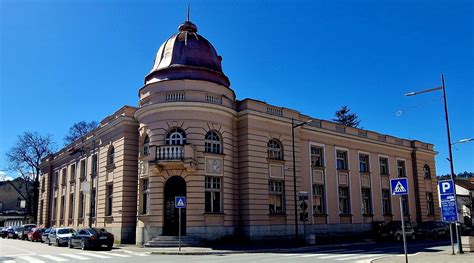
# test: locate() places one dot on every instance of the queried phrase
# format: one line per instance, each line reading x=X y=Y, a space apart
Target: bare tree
x=25 y=159
x=344 y=117
x=78 y=130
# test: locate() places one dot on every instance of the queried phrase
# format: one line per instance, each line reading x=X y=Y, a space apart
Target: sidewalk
x=229 y=250
x=432 y=257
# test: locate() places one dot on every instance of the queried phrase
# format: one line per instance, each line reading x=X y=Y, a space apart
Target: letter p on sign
x=446 y=187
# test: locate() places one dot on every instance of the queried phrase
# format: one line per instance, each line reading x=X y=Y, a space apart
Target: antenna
x=187 y=15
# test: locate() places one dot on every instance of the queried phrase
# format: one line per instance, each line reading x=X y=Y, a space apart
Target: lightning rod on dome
x=187 y=14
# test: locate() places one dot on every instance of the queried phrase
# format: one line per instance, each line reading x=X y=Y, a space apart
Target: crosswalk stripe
x=75 y=256
x=312 y=255
x=94 y=255
x=58 y=259
x=31 y=259
x=341 y=255
x=359 y=256
x=8 y=261
x=114 y=254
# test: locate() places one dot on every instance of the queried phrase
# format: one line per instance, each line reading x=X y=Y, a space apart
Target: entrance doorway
x=174 y=186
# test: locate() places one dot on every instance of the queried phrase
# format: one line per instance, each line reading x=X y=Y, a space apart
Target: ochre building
x=232 y=160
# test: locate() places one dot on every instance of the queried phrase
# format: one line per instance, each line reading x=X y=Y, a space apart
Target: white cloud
x=4 y=176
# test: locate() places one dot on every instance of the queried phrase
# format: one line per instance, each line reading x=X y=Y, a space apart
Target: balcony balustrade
x=173 y=157
x=170 y=152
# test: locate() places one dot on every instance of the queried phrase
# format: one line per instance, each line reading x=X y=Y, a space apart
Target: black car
x=45 y=235
x=432 y=229
x=393 y=230
x=91 y=238
x=13 y=232
x=4 y=232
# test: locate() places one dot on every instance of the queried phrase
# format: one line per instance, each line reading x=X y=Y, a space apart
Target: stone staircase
x=172 y=241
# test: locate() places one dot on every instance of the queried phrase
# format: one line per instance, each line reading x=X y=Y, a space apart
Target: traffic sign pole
x=403 y=230
x=179 y=230
x=452 y=239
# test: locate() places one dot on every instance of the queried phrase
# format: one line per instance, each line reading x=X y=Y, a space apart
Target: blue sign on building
x=180 y=202
x=449 y=210
x=399 y=186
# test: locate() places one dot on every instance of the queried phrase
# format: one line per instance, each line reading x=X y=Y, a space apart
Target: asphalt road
x=28 y=252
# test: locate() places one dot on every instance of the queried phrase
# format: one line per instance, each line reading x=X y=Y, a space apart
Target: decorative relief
x=318 y=176
x=276 y=171
x=365 y=180
x=343 y=179
x=143 y=168
x=214 y=166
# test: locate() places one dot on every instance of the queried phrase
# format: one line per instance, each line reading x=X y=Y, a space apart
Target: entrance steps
x=172 y=241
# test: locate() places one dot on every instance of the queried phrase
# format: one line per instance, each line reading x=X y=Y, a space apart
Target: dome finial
x=189 y=7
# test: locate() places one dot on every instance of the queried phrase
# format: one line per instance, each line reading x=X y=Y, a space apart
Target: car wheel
x=57 y=243
x=49 y=242
x=83 y=245
x=109 y=246
x=398 y=237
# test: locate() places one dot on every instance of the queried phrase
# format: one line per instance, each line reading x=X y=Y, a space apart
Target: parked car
x=24 y=229
x=4 y=232
x=432 y=229
x=45 y=235
x=35 y=234
x=393 y=230
x=92 y=238
x=60 y=236
x=13 y=232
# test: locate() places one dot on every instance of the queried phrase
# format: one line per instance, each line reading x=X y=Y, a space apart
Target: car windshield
x=65 y=231
x=98 y=230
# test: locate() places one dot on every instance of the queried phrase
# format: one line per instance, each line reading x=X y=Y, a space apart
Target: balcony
x=174 y=157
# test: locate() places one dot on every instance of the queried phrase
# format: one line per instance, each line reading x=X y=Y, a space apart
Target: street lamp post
x=293 y=126
x=451 y=163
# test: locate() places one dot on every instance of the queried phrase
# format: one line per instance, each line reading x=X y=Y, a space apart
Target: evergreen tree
x=344 y=117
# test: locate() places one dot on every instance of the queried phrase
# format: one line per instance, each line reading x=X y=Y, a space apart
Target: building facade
x=232 y=159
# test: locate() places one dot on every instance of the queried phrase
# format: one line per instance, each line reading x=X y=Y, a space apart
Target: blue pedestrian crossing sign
x=399 y=186
x=180 y=202
x=449 y=209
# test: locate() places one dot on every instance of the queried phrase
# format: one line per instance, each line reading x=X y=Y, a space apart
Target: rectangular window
x=364 y=163
x=93 y=192
x=110 y=195
x=406 y=210
x=72 y=178
x=386 y=202
x=341 y=160
x=40 y=211
x=71 y=206
x=344 y=201
x=83 y=169
x=82 y=204
x=317 y=156
x=63 y=177
x=145 y=196
x=275 y=198
x=95 y=164
x=318 y=199
x=63 y=207
x=430 y=202
x=383 y=163
x=366 y=201
x=55 y=200
x=55 y=179
x=213 y=194
x=401 y=168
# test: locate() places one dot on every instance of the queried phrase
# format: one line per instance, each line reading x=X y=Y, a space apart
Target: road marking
x=113 y=254
x=8 y=261
x=142 y=254
x=360 y=256
x=342 y=255
x=94 y=255
x=75 y=256
x=58 y=259
x=31 y=260
x=312 y=255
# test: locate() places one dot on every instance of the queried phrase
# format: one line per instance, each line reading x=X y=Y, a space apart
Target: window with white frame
x=175 y=136
x=366 y=201
x=95 y=164
x=401 y=168
x=212 y=143
x=344 y=200
x=109 y=201
x=317 y=156
x=213 y=195
x=82 y=171
x=111 y=156
x=364 y=163
x=72 y=178
x=275 y=198
x=146 y=145
x=275 y=149
x=63 y=177
x=318 y=199
x=383 y=165
x=341 y=160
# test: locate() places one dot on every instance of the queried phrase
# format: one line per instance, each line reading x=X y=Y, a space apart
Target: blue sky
x=66 y=61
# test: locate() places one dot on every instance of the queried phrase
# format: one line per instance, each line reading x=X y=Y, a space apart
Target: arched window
x=111 y=155
x=175 y=136
x=213 y=142
x=275 y=149
x=427 y=171
x=146 y=145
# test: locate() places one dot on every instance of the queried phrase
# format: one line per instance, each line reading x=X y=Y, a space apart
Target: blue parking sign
x=449 y=210
x=399 y=186
x=180 y=202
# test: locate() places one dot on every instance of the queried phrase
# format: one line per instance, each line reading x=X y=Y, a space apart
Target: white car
x=60 y=236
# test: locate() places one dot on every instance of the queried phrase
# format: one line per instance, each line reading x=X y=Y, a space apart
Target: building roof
x=466 y=184
x=187 y=55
